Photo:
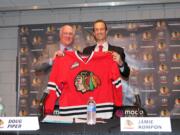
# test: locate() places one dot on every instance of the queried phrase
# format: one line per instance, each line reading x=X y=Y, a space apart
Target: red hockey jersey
x=97 y=76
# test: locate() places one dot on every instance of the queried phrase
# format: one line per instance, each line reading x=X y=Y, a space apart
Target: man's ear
x=94 y=35
x=107 y=32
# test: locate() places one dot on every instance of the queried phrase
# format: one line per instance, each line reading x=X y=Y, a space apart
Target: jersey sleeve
x=115 y=75
x=117 y=86
x=53 y=88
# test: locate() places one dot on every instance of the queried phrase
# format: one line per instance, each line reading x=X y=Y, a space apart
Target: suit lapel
x=110 y=47
x=93 y=48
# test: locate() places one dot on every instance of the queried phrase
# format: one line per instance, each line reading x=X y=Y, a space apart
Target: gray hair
x=61 y=29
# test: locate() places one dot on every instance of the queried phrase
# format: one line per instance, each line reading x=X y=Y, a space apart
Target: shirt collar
x=105 y=47
x=62 y=47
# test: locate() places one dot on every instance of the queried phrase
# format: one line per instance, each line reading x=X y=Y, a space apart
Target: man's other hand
x=117 y=58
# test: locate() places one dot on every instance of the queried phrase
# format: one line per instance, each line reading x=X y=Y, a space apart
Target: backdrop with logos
x=152 y=50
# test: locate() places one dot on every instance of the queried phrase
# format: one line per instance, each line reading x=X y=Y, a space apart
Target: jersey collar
x=80 y=57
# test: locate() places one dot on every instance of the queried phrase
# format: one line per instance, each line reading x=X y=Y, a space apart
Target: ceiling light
x=35 y=7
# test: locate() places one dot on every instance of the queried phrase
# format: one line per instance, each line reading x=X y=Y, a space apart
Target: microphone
x=43 y=98
x=137 y=98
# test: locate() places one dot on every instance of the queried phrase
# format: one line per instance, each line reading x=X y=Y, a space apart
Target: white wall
x=10 y=21
x=8 y=51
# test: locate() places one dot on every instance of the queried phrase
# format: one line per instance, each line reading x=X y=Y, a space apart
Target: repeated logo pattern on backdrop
x=152 y=51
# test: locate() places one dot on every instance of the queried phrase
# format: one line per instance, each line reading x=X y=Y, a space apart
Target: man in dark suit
x=100 y=35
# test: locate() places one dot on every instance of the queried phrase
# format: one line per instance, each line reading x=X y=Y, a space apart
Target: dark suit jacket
x=120 y=51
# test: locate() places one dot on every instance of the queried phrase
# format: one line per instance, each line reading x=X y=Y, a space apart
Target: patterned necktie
x=100 y=48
